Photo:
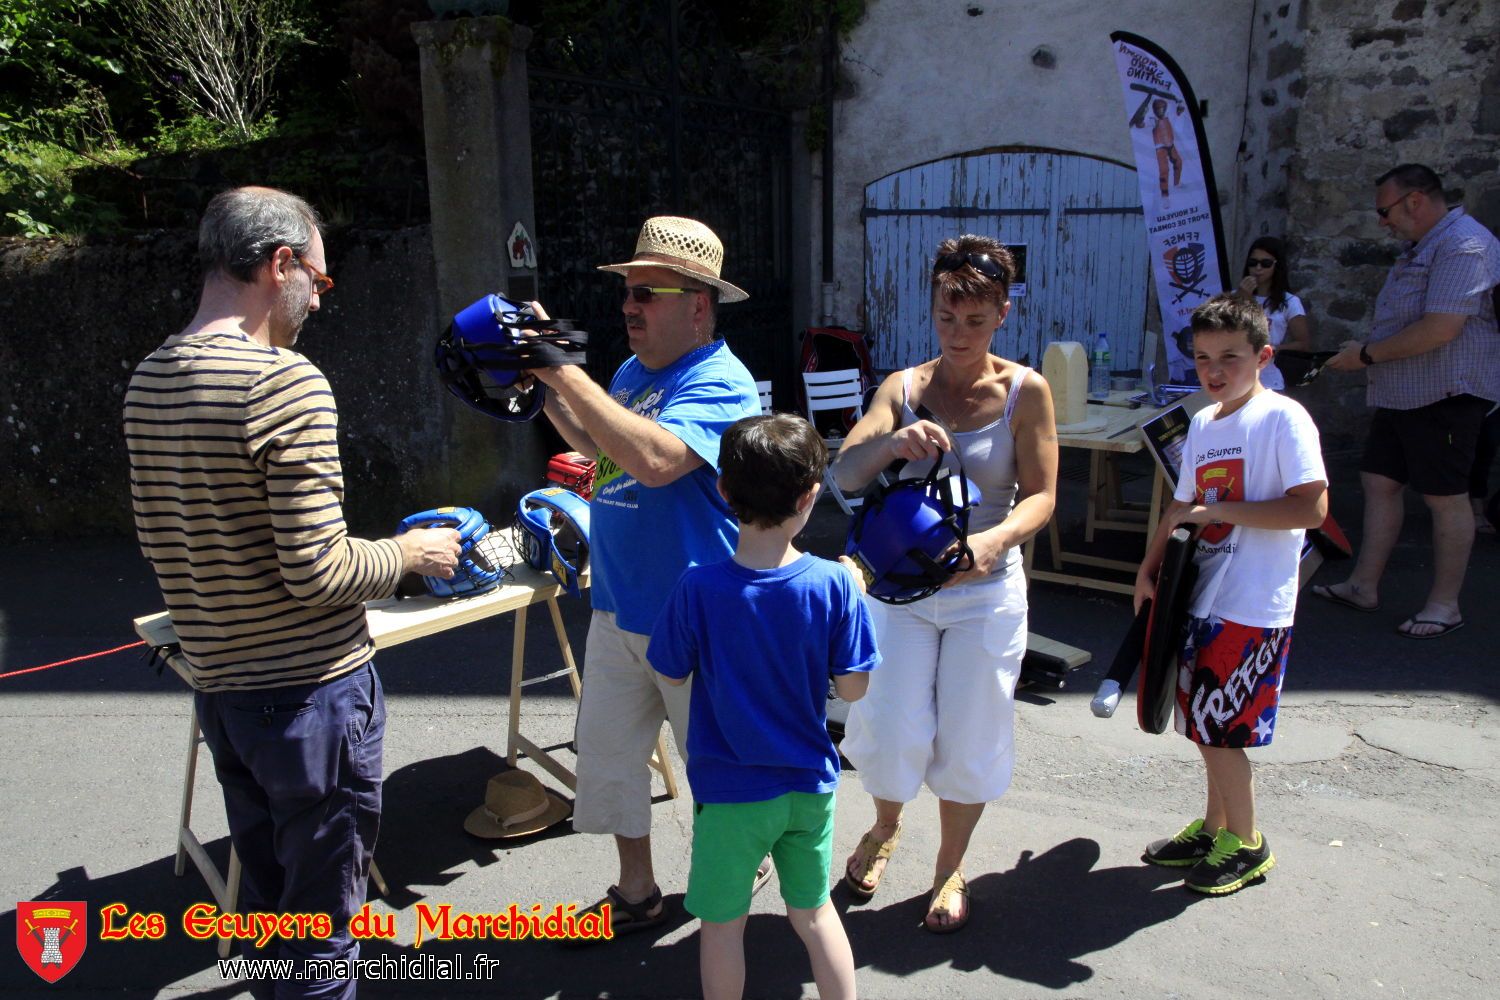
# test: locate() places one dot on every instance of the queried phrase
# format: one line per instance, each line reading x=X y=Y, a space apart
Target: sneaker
x=1190 y=845
x=1231 y=865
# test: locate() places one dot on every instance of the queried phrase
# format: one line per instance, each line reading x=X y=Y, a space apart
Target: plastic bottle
x=1099 y=371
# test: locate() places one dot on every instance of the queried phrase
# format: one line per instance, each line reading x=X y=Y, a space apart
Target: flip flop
x=873 y=850
x=1404 y=629
x=1329 y=594
x=943 y=892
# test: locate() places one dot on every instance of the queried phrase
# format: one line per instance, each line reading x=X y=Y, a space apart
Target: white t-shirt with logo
x=1263 y=449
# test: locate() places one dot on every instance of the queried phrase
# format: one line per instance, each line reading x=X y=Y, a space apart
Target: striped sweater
x=237 y=490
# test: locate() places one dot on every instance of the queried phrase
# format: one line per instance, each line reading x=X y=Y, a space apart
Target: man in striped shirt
x=1433 y=363
x=237 y=490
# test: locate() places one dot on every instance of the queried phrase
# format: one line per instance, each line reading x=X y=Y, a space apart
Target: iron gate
x=647 y=112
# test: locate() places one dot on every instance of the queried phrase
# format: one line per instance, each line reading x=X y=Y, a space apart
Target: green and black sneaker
x=1231 y=865
x=1190 y=845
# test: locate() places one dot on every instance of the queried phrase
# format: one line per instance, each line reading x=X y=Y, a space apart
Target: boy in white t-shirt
x=1252 y=475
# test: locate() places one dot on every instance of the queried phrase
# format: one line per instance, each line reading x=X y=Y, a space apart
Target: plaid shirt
x=1450 y=270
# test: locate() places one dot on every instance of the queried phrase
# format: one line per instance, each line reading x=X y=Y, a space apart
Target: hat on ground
x=515 y=804
x=686 y=246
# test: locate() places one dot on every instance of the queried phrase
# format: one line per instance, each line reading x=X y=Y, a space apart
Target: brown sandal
x=872 y=850
x=942 y=900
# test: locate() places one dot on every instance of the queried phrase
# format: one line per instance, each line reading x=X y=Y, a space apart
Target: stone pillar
x=477 y=119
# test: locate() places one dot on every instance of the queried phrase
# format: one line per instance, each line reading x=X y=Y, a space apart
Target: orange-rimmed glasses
x=322 y=283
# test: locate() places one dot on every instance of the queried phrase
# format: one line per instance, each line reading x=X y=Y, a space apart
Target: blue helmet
x=554 y=527
x=902 y=535
x=479 y=567
x=486 y=351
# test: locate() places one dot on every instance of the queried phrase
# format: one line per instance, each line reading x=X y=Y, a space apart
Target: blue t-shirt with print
x=642 y=538
x=761 y=645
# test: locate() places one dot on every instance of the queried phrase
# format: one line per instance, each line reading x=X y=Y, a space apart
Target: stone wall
x=79 y=318
x=1274 y=90
x=1387 y=82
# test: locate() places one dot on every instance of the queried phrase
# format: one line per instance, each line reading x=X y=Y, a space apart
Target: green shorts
x=730 y=838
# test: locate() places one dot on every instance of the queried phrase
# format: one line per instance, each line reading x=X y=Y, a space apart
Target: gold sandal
x=942 y=900
x=872 y=850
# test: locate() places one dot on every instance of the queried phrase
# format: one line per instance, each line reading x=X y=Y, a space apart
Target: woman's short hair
x=975 y=268
x=1227 y=311
x=243 y=227
x=766 y=462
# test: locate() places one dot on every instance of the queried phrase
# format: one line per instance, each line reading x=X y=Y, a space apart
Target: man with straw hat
x=656 y=510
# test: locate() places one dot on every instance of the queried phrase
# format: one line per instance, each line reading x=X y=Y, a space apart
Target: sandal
x=763 y=873
x=942 y=900
x=871 y=850
x=626 y=917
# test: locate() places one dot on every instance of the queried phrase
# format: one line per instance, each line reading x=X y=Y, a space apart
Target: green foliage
x=54 y=65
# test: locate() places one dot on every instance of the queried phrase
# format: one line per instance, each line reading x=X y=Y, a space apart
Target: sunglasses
x=1259 y=262
x=1385 y=211
x=322 y=283
x=981 y=262
x=645 y=293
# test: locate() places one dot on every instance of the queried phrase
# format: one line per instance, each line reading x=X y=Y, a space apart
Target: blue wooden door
x=1079 y=217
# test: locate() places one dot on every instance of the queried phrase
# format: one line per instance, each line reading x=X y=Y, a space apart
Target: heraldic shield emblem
x=52 y=936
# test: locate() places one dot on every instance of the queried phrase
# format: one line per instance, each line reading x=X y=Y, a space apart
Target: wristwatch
x=1364 y=355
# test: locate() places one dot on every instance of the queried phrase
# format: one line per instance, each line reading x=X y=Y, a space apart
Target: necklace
x=948 y=420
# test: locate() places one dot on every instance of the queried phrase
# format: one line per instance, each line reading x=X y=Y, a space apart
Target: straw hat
x=515 y=804
x=686 y=246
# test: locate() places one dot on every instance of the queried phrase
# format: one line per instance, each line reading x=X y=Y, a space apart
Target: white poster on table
x=1178 y=195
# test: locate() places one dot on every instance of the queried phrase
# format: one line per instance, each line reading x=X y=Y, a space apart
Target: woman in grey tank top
x=939 y=710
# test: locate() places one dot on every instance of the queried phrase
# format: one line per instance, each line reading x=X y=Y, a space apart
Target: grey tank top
x=989 y=456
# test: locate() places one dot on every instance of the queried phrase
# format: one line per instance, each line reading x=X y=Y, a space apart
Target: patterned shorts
x=1229 y=682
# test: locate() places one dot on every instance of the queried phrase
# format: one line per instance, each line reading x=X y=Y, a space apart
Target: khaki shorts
x=623 y=705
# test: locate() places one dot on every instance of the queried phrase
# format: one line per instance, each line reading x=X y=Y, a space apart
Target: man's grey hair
x=243 y=227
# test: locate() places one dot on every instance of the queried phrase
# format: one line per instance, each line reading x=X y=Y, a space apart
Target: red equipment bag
x=832 y=348
x=572 y=471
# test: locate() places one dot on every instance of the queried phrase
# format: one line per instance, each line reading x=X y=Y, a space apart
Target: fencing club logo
x=1188 y=266
x=51 y=936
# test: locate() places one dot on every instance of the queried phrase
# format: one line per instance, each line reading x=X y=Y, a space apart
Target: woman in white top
x=939 y=709
x=1266 y=279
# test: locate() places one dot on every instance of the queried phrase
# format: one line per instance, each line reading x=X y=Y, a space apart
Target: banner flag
x=1178 y=195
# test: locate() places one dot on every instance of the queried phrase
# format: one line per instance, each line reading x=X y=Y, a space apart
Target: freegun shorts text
x=1229 y=682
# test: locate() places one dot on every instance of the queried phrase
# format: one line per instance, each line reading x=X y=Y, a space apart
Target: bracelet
x=1364 y=355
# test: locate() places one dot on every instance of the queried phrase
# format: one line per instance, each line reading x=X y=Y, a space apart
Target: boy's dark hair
x=766 y=462
x=1227 y=311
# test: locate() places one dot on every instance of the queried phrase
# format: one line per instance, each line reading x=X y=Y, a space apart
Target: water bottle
x=1099 y=374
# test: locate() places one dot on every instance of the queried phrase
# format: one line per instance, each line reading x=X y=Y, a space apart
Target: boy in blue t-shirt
x=763 y=632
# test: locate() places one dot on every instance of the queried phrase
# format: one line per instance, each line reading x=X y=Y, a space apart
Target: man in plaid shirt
x=1433 y=362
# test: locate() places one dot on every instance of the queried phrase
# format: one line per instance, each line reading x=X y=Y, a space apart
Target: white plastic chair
x=764 y=388
x=839 y=390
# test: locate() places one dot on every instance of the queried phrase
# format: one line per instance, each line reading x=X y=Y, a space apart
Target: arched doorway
x=1078 y=216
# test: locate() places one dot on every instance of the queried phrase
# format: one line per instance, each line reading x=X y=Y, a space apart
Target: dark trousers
x=301 y=771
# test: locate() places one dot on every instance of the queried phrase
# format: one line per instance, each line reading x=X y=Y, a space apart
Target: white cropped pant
x=940 y=707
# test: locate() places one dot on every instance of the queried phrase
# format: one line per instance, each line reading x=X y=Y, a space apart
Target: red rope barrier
x=75 y=659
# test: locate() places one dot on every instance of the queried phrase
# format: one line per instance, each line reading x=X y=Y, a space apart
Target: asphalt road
x=1378 y=797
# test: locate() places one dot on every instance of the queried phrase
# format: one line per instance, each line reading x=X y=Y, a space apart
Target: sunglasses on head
x=981 y=262
x=1261 y=262
x=645 y=293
